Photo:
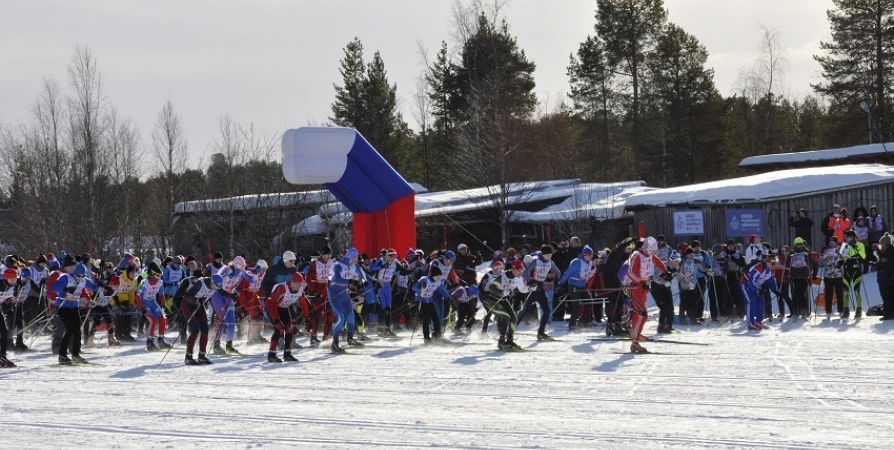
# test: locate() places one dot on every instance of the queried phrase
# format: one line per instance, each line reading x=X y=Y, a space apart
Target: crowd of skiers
x=353 y=294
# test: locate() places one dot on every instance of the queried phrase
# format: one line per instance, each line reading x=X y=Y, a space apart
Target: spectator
x=838 y=223
x=862 y=229
x=827 y=230
x=860 y=212
x=877 y=225
x=803 y=225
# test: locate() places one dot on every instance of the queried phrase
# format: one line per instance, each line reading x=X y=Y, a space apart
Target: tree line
x=641 y=104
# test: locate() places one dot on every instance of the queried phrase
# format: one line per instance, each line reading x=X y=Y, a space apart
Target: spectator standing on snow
x=861 y=228
x=830 y=261
x=839 y=223
x=828 y=232
x=884 y=257
x=803 y=225
x=877 y=225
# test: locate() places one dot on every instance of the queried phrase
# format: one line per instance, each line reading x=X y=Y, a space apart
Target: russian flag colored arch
x=382 y=202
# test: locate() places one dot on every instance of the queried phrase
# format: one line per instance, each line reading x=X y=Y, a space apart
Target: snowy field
x=799 y=385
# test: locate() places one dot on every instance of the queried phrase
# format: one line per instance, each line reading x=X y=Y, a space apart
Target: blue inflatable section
x=369 y=183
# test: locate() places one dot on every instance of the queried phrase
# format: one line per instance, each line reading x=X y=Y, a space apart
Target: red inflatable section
x=393 y=227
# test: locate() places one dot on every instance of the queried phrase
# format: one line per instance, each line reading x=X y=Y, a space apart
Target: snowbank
x=247 y=202
x=768 y=186
x=817 y=155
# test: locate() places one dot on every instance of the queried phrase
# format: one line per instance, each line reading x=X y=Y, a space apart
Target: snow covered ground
x=798 y=385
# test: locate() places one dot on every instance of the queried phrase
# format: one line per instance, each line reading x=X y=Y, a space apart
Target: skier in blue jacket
x=344 y=273
x=68 y=289
x=759 y=278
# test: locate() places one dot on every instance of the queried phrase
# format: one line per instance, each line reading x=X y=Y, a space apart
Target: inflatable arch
x=382 y=202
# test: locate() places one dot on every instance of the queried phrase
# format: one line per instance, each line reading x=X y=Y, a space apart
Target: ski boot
x=6 y=363
x=543 y=337
x=232 y=351
x=89 y=342
x=362 y=337
x=335 y=348
x=217 y=349
x=20 y=345
x=846 y=313
x=150 y=346
x=859 y=313
x=636 y=348
x=272 y=358
x=163 y=344
x=112 y=341
x=353 y=342
x=202 y=359
x=78 y=359
x=189 y=361
x=64 y=360
x=314 y=342
x=287 y=357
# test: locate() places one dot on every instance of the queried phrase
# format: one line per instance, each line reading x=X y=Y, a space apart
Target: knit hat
x=68 y=261
x=752 y=238
x=218 y=255
x=586 y=251
x=435 y=271
x=546 y=249
x=730 y=241
x=326 y=250
x=10 y=274
x=41 y=259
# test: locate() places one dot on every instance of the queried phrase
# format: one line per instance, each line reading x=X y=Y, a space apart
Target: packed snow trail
x=816 y=384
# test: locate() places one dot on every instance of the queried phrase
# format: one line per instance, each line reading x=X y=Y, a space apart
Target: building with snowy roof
x=762 y=204
x=861 y=154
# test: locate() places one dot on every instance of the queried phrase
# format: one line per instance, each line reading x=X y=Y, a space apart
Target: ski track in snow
x=799 y=385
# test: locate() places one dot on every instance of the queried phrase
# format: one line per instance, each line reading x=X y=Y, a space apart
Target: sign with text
x=689 y=223
x=744 y=222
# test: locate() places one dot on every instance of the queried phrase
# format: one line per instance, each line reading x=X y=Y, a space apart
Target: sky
x=274 y=62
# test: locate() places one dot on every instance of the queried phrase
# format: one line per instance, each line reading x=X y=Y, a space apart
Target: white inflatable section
x=315 y=155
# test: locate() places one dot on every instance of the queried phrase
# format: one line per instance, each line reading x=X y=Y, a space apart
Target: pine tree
x=348 y=108
x=858 y=65
x=629 y=30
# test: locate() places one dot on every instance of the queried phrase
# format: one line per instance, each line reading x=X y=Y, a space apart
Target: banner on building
x=689 y=223
x=744 y=222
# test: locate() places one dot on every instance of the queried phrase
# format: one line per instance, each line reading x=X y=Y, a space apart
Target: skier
x=832 y=264
x=193 y=308
x=250 y=304
x=384 y=269
x=147 y=300
x=733 y=264
x=224 y=304
x=798 y=265
x=344 y=272
x=540 y=272
x=101 y=311
x=172 y=275
x=426 y=289
x=616 y=259
x=755 y=245
x=13 y=309
x=780 y=270
x=660 y=288
x=884 y=257
x=318 y=275
x=123 y=303
x=718 y=295
x=34 y=306
x=642 y=264
x=280 y=272
x=283 y=296
x=578 y=275
x=8 y=288
x=854 y=253
x=67 y=289
x=758 y=278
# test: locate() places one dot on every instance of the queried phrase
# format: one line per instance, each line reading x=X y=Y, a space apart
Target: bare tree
x=422 y=113
x=126 y=171
x=88 y=123
x=170 y=150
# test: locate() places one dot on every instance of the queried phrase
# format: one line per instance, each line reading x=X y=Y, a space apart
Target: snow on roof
x=817 y=155
x=602 y=201
x=768 y=186
x=453 y=202
x=247 y=202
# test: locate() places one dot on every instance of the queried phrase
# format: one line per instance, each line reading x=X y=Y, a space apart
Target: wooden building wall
x=776 y=214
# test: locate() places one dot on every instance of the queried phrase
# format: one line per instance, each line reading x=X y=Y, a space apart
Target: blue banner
x=744 y=222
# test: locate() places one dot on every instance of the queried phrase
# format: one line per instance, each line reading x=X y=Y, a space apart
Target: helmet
x=217 y=280
x=262 y=264
x=516 y=265
x=800 y=241
x=79 y=271
x=297 y=277
x=651 y=245
x=450 y=255
x=239 y=262
x=674 y=256
x=288 y=256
